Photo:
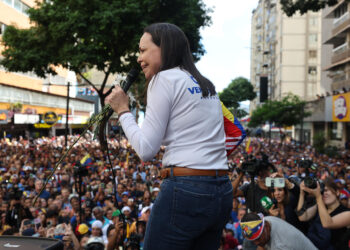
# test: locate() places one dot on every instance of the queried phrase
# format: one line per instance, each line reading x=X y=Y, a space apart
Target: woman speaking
x=184 y=114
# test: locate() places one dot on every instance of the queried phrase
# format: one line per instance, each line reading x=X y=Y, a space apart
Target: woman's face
x=279 y=194
x=329 y=197
x=150 y=56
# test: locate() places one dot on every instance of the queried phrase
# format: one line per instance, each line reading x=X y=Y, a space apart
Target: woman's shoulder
x=339 y=210
x=176 y=72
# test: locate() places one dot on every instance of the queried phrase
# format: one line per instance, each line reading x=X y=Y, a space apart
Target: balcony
x=340 y=80
x=340 y=20
x=338 y=85
x=340 y=53
x=341 y=27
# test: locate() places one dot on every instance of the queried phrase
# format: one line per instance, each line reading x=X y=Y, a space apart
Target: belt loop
x=171 y=171
x=216 y=173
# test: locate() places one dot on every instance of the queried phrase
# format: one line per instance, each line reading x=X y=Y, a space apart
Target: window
x=313 y=21
x=25 y=8
x=336 y=129
x=312 y=38
x=18 y=5
x=2 y=28
x=312 y=53
x=312 y=73
x=9 y=2
x=312 y=70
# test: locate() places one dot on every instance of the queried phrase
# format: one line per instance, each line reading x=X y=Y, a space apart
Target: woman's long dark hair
x=175 y=52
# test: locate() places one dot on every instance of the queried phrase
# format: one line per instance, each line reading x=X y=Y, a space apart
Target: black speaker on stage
x=29 y=243
x=263 y=88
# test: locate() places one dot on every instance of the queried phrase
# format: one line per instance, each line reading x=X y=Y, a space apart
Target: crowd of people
x=79 y=206
x=313 y=197
x=79 y=198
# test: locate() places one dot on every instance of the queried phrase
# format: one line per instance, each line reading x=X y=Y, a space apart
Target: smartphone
x=274 y=182
x=27 y=222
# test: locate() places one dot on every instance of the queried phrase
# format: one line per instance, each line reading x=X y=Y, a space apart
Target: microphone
x=130 y=78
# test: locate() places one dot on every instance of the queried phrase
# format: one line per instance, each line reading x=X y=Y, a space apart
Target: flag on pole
x=248 y=147
x=234 y=131
x=86 y=160
x=126 y=163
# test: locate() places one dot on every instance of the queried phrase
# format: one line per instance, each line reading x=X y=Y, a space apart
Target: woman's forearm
x=326 y=219
x=301 y=200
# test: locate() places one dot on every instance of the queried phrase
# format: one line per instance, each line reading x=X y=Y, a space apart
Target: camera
x=253 y=166
x=79 y=170
x=15 y=194
x=309 y=181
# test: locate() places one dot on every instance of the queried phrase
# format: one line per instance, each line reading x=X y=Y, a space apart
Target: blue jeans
x=189 y=213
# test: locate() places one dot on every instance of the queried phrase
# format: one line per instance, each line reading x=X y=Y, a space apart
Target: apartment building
x=336 y=102
x=286 y=52
x=27 y=100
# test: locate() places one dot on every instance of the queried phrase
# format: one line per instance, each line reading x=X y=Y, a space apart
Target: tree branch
x=87 y=80
x=105 y=79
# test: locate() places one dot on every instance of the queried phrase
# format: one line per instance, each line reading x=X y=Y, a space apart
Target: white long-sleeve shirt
x=178 y=117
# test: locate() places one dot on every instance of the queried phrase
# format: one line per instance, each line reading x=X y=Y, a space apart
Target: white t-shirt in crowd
x=284 y=236
x=178 y=117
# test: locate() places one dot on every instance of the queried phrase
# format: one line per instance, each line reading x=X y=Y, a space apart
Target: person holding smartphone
x=286 y=201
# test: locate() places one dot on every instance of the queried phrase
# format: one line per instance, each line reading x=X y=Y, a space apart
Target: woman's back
x=194 y=128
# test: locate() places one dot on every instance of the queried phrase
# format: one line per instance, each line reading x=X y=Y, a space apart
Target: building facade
x=26 y=99
x=286 y=51
x=336 y=68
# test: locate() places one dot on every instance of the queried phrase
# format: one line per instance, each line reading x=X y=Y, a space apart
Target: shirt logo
x=194 y=90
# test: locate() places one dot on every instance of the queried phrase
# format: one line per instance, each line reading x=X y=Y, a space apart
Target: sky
x=227 y=41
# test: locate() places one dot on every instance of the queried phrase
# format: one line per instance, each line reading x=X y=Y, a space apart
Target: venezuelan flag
x=249 y=147
x=86 y=160
x=234 y=131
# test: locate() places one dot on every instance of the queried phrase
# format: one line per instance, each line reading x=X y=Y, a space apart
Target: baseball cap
x=83 y=229
x=96 y=224
x=145 y=209
x=125 y=193
x=95 y=240
x=126 y=208
x=116 y=213
x=342 y=196
x=340 y=181
x=71 y=196
x=26 y=168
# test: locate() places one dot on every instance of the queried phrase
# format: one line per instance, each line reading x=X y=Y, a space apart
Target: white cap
x=95 y=240
x=97 y=223
x=145 y=209
x=155 y=189
x=126 y=208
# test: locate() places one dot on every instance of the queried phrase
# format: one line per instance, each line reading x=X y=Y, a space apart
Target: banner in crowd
x=341 y=108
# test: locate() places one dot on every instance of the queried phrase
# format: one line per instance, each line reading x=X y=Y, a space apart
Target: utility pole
x=302 y=125
x=67 y=115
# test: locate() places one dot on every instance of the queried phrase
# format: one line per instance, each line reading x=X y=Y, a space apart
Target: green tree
x=287 y=112
x=290 y=7
x=240 y=89
x=319 y=142
x=101 y=34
